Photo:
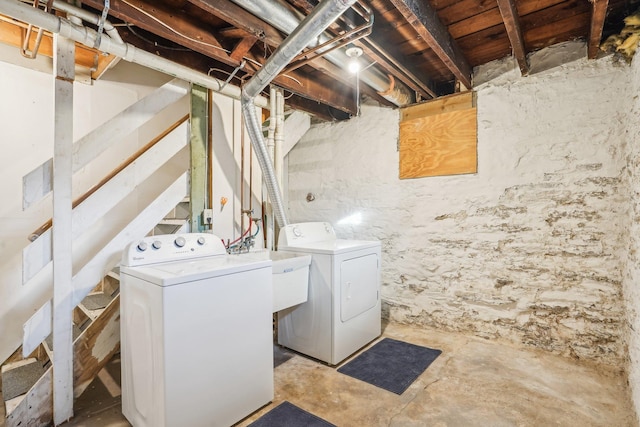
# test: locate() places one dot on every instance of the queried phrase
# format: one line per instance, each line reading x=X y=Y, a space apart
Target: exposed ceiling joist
x=240 y=18
x=599 y=13
x=373 y=48
x=424 y=20
x=171 y=25
x=514 y=32
x=243 y=47
x=247 y=22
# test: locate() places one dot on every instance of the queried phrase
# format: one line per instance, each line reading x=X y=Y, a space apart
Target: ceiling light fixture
x=354 y=53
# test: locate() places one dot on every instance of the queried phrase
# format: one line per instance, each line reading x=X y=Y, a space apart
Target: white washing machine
x=342 y=313
x=196 y=332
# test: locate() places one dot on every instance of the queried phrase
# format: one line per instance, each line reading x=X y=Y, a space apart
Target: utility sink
x=290 y=277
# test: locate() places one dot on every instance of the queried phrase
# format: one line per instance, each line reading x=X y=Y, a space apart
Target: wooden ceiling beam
x=240 y=18
x=335 y=95
x=243 y=47
x=233 y=33
x=12 y=33
x=375 y=50
x=168 y=24
x=424 y=20
x=599 y=13
x=247 y=22
x=511 y=21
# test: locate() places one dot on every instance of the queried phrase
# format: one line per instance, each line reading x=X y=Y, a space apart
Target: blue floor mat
x=289 y=415
x=390 y=364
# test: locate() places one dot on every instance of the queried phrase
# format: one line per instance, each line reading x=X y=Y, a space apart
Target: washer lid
x=333 y=247
x=177 y=272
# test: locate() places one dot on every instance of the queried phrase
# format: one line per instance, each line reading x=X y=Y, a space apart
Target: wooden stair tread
x=18 y=380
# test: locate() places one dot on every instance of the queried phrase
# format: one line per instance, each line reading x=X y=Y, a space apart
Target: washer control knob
x=157 y=244
x=201 y=240
x=142 y=246
x=180 y=242
x=297 y=232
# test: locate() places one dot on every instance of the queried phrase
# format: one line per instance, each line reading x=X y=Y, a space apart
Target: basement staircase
x=27 y=382
x=155 y=179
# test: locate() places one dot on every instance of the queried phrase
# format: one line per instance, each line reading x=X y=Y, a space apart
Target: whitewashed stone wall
x=530 y=248
x=632 y=276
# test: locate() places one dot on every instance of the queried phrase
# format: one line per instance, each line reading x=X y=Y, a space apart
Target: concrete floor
x=474 y=382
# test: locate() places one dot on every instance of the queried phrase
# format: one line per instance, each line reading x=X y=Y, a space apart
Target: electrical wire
x=156 y=44
x=164 y=24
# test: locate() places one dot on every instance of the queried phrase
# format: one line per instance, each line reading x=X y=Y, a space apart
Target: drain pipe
x=87 y=36
x=311 y=27
x=284 y=19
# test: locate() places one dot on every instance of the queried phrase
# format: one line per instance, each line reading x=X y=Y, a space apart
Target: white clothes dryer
x=342 y=313
x=196 y=332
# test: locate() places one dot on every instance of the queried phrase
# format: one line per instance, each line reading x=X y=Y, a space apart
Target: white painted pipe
x=86 y=16
x=273 y=111
x=87 y=36
x=279 y=135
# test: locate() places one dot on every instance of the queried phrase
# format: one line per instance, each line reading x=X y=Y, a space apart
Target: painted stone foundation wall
x=530 y=248
x=632 y=276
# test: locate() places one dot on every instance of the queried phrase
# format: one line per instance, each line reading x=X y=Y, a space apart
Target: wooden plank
x=240 y=18
x=97 y=141
x=96 y=346
x=599 y=13
x=514 y=31
x=11 y=33
x=34 y=408
x=64 y=66
x=444 y=104
x=131 y=118
x=444 y=144
x=243 y=46
x=171 y=24
x=557 y=31
x=105 y=196
x=476 y=23
x=424 y=19
x=171 y=177
x=37 y=329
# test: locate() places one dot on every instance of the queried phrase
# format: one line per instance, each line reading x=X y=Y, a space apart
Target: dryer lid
x=332 y=247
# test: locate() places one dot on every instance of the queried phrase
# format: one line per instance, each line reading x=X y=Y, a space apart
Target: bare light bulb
x=354 y=66
x=353 y=53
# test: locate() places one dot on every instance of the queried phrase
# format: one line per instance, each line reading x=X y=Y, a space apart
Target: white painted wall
x=26 y=141
x=529 y=248
x=234 y=167
x=632 y=271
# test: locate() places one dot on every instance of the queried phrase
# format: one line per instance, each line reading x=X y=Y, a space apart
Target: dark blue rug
x=390 y=364
x=289 y=415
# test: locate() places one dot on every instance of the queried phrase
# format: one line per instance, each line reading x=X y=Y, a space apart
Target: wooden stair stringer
x=93 y=348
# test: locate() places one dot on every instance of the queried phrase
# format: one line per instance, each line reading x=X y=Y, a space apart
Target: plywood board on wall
x=439 y=138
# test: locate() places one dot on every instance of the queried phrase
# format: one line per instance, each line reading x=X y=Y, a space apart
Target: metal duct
x=310 y=28
x=87 y=36
x=284 y=19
